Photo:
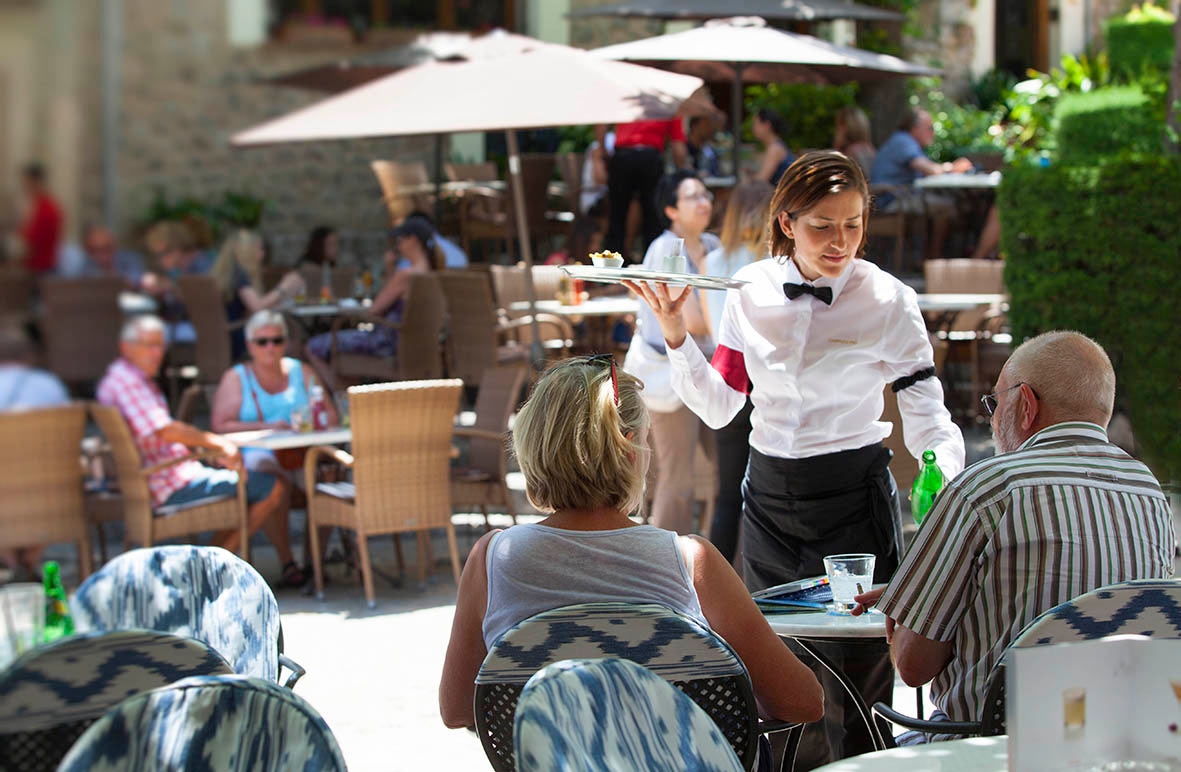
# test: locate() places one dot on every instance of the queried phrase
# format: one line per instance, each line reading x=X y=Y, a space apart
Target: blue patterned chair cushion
x=205 y=593
x=209 y=724
x=1149 y=607
x=82 y=676
x=612 y=714
x=669 y=644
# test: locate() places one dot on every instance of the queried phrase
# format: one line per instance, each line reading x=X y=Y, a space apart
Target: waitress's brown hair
x=813 y=176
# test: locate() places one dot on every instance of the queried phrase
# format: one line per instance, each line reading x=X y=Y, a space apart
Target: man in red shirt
x=635 y=168
x=41 y=228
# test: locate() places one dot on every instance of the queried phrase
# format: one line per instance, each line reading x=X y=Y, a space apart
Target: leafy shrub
x=808 y=109
x=1094 y=248
x=1141 y=38
x=240 y=210
x=1105 y=122
x=959 y=129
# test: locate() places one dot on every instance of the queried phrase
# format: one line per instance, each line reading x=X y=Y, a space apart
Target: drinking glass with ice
x=848 y=575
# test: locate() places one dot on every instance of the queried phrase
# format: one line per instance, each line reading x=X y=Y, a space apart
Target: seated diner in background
x=238 y=273
x=102 y=256
x=130 y=386
x=1060 y=511
x=851 y=136
x=581 y=440
x=769 y=129
x=412 y=241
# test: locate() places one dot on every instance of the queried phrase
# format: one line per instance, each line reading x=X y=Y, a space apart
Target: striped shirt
x=1017 y=534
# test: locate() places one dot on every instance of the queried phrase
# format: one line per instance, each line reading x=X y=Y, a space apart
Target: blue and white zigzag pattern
x=1149 y=607
x=669 y=644
x=205 y=593
x=82 y=676
x=209 y=724
x=611 y=714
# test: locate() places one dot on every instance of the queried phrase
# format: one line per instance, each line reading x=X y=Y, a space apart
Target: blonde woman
x=582 y=443
x=238 y=272
x=744 y=241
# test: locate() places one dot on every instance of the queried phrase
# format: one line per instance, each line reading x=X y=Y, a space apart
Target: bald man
x=1058 y=512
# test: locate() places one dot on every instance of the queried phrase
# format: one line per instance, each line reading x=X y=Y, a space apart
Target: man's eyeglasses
x=607 y=359
x=276 y=341
x=989 y=400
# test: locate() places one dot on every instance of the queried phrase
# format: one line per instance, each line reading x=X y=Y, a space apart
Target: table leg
x=850 y=689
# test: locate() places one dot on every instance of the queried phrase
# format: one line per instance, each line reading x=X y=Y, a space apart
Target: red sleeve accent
x=677 y=130
x=732 y=366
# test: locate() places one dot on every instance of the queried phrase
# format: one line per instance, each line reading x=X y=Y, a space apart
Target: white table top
x=968 y=181
x=958 y=301
x=974 y=754
x=822 y=624
x=604 y=306
x=323 y=309
x=273 y=440
x=137 y=303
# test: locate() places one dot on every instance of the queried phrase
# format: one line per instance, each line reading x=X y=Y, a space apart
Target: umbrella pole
x=736 y=115
x=537 y=356
x=438 y=181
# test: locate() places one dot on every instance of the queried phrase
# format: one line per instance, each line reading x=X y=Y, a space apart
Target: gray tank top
x=534 y=568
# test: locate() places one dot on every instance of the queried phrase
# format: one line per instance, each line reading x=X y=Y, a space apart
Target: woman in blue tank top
x=582 y=443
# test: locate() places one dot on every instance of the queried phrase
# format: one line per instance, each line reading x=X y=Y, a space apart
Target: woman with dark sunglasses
x=263 y=393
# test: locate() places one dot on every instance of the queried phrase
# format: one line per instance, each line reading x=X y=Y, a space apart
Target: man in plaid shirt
x=129 y=384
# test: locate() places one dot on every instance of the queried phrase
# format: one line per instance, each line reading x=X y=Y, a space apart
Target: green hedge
x=1105 y=122
x=1097 y=248
x=1142 y=37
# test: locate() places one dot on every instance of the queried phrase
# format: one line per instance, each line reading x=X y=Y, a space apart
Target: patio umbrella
x=790 y=10
x=543 y=85
x=745 y=50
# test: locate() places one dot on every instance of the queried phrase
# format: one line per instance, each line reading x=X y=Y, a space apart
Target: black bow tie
x=793 y=291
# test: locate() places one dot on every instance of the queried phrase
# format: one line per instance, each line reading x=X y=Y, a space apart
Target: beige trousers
x=674 y=437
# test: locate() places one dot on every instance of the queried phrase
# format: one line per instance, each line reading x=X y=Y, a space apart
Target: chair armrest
x=929 y=727
x=480 y=434
x=297 y=670
x=336 y=454
x=194 y=456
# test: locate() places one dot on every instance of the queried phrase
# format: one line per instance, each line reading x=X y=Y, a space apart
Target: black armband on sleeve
x=910 y=380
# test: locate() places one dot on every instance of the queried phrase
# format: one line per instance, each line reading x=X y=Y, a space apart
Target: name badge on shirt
x=843 y=341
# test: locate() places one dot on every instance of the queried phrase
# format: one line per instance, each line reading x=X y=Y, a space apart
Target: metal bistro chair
x=584 y=715
x=230 y=723
x=41 y=479
x=200 y=592
x=401 y=480
x=481 y=484
x=51 y=694
x=693 y=659
x=1149 y=607
x=146 y=524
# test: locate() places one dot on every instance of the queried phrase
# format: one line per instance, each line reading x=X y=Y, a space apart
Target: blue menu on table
x=802 y=595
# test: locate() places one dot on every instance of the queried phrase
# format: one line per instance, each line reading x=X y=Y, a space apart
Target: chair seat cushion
x=172 y=509
x=338 y=490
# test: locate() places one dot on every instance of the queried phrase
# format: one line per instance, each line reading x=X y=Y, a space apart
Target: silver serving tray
x=617 y=275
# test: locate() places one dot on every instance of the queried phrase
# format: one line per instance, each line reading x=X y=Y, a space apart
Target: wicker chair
x=477 y=338
x=580 y=715
x=230 y=723
x=420 y=339
x=207 y=312
x=41 y=479
x=145 y=524
x=402 y=188
x=16 y=294
x=200 y=592
x=1149 y=607
x=82 y=321
x=53 y=693
x=482 y=483
x=508 y=284
x=671 y=645
x=401 y=479
x=890 y=225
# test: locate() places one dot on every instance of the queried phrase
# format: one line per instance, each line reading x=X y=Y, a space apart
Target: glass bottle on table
x=319 y=407
x=58 y=622
x=326 y=283
x=928 y=483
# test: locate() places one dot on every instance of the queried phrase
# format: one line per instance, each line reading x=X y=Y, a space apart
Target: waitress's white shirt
x=815 y=373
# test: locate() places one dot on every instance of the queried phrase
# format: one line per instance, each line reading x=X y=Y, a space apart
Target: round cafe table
x=974 y=754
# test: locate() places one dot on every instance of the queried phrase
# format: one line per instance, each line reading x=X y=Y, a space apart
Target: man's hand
x=961 y=165
x=867 y=599
x=230 y=454
x=669 y=310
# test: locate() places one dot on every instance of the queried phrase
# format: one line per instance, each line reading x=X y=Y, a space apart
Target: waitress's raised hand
x=668 y=309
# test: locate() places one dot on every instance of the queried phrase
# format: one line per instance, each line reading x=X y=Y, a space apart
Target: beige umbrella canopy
x=507 y=87
x=788 y=10
x=745 y=50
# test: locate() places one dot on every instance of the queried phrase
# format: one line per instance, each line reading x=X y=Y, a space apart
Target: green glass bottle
x=926 y=485
x=58 y=621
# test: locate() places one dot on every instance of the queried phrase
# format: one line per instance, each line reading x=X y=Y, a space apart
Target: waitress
x=813 y=338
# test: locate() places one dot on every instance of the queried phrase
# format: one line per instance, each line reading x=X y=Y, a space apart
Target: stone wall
x=185 y=91
x=597 y=31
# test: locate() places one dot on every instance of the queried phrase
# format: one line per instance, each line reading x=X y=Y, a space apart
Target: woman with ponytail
x=582 y=444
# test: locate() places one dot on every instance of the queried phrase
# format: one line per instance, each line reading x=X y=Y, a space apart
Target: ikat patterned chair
x=51 y=694
x=205 y=593
x=596 y=715
x=671 y=645
x=228 y=723
x=1150 y=607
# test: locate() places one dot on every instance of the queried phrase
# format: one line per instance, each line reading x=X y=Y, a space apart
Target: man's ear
x=1030 y=407
x=785 y=225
